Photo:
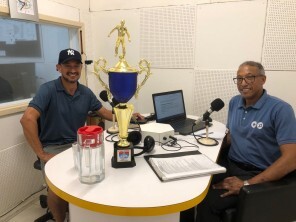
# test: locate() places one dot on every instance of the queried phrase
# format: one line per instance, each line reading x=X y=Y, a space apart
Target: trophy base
x=123 y=157
x=207 y=141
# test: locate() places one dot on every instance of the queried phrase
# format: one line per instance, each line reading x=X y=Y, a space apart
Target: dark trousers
x=187 y=215
x=213 y=206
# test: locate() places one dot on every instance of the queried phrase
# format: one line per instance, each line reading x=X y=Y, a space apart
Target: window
x=28 y=57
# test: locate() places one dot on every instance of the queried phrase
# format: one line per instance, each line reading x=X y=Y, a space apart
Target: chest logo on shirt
x=259 y=125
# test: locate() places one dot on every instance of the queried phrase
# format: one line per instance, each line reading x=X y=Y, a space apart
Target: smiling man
x=262 y=140
x=59 y=108
x=69 y=65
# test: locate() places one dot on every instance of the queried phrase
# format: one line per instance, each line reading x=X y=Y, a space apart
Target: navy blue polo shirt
x=259 y=130
x=62 y=114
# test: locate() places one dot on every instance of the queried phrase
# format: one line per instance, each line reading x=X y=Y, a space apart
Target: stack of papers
x=182 y=165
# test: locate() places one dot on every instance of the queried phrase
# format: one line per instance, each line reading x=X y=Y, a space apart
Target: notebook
x=169 y=108
x=190 y=164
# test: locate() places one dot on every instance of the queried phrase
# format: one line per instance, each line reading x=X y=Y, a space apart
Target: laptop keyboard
x=183 y=123
x=185 y=127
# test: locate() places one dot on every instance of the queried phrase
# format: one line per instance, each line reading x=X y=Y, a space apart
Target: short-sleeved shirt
x=62 y=114
x=258 y=131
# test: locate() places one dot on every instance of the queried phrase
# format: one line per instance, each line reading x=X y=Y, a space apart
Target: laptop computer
x=169 y=108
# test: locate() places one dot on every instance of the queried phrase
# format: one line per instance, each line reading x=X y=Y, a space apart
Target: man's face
x=70 y=71
x=250 y=82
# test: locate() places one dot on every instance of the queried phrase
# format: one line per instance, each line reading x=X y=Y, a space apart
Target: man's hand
x=46 y=156
x=231 y=184
x=138 y=116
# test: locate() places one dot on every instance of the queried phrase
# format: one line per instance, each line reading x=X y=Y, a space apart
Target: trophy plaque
x=123 y=85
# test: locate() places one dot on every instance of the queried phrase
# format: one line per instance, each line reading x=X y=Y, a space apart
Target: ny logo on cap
x=70 y=52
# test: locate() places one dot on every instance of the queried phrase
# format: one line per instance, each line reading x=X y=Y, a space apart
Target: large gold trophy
x=122 y=86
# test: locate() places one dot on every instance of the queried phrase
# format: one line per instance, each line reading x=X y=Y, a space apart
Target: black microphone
x=104 y=97
x=216 y=105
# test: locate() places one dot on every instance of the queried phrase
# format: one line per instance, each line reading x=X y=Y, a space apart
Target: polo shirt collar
x=258 y=104
x=60 y=87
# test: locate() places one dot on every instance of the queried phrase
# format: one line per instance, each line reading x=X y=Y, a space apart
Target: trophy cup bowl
x=123 y=85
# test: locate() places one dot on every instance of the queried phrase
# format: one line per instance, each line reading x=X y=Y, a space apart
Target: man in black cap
x=54 y=115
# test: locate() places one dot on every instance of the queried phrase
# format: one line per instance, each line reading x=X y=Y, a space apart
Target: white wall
x=19 y=179
x=280 y=84
x=224 y=34
x=161 y=79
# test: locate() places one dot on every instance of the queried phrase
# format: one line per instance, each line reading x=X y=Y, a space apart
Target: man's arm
x=30 y=129
x=107 y=114
x=280 y=168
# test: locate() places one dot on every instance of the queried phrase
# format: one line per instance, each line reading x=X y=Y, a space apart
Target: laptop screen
x=169 y=106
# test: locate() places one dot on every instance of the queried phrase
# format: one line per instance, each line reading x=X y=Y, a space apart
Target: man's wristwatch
x=246 y=183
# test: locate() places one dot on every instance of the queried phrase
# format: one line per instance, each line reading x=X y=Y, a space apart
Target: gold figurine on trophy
x=123 y=85
x=122 y=30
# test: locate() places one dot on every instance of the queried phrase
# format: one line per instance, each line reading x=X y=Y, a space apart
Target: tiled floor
x=30 y=213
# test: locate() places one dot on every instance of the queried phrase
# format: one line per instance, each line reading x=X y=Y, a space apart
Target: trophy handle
x=144 y=67
x=100 y=65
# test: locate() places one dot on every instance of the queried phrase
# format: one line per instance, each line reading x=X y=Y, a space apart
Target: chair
x=270 y=202
x=265 y=202
x=43 y=199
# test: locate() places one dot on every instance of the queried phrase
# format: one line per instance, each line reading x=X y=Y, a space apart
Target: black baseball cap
x=69 y=54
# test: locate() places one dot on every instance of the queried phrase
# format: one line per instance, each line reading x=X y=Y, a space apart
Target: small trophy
x=122 y=86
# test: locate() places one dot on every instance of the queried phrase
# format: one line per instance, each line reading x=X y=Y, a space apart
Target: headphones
x=135 y=137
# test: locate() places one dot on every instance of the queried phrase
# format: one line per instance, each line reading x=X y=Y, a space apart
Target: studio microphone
x=104 y=96
x=216 y=105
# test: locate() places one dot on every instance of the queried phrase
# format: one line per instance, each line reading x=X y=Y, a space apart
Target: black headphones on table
x=135 y=137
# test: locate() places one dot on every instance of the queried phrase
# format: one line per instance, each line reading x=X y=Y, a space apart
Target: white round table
x=129 y=194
